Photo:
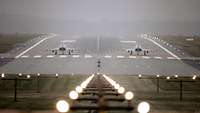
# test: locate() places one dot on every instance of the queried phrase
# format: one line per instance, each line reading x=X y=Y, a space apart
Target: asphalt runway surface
x=111 y=52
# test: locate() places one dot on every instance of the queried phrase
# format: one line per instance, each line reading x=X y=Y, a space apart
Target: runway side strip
x=22 y=53
x=178 y=58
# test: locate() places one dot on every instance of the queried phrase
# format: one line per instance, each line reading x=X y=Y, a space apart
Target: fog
x=101 y=17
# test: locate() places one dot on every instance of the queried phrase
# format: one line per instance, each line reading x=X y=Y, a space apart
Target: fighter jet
x=138 y=50
x=63 y=49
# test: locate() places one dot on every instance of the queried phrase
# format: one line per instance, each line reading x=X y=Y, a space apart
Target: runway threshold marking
x=22 y=53
x=63 y=56
x=75 y=56
x=108 y=56
x=50 y=56
x=164 y=48
x=88 y=56
x=120 y=56
x=37 y=56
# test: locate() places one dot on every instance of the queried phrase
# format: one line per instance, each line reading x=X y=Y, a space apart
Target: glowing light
x=2 y=75
x=38 y=74
x=79 y=89
x=143 y=107
x=73 y=95
x=176 y=76
x=121 y=90
x=62 y=106
x=20 y=74
x=117 y=86
x=28 y=76
x=194 y=77
x=168 y=77
x=129 y=95
x=139 y=75
x=157 y=75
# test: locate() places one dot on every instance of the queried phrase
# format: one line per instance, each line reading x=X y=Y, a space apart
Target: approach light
x=194 y=77
x=20 y=74
x=157 y=76
x=129 y=95
x=62 y=106
x=73 y=95
x=116 y=86
x=79 y=89
x=38 y=74
x=176 y=76
x=139 y=75
x=2 y=75
x=168 y=78
x=28 y=76
x=121 y=90
x=143 y=107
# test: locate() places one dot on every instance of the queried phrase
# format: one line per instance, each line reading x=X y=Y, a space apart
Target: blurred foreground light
x=129 y=95
x=176 y=76
x=73 y=95
x=117 y=86
x=79 y=89
x=2 y=75
x=20 y=74
x=139 y=75
x=28 y=76
x=158 y=76
x=121 y=90
x=168 y=78
x=194 y=77
x=62 y=106
x=38 y=74
x=143 y=107
x=56 y=74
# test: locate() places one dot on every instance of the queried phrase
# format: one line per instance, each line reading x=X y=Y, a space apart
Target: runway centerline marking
x=22 y=53
x=164 y=48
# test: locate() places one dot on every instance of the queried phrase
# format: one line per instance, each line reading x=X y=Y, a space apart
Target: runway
x=162 y=59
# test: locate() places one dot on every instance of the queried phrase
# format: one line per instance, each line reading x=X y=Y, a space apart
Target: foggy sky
x=105 y=10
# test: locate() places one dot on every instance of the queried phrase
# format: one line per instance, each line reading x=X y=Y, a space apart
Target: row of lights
x=194 y=77
x=128 y=95
x=28 y=76
x=63 y=106
x=143 y=107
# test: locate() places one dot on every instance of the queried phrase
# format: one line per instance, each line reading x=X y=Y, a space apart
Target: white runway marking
x=108 y=56
x=145 y=57
x=37 y=56
x=164 y=48
x=157 y=57
x=22 y=53
x=75 y=56
x=171 y=58
x=25 y=56
x=128 y=41
x=88 y=56
x=120 y=56
x=50 y=56
x=132 y=57
x=63 y=56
